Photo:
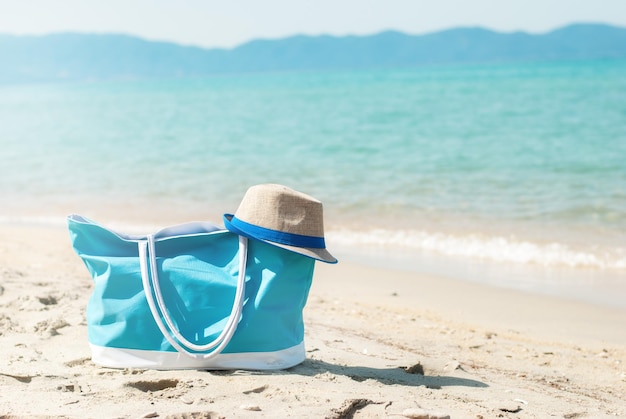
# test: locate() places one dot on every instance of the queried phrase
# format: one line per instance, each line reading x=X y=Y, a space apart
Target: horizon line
x=306 y=35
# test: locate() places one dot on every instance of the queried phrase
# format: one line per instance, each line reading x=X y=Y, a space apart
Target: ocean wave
x=474 y=246
x=487 y=248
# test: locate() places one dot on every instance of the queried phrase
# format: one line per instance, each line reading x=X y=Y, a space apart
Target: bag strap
x=152 y=289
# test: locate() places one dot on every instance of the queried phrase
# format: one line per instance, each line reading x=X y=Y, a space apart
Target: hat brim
x=320 y=254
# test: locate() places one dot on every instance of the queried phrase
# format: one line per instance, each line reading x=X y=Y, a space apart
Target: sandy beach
x=380 y=343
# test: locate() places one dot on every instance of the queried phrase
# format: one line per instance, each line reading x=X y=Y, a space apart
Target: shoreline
x=592 y=251
x=589 y=286
x=599 y=286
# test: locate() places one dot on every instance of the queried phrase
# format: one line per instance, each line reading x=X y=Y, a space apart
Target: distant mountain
x=73 y=56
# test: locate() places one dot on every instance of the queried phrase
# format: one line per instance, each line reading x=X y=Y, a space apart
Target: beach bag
x=192 y=296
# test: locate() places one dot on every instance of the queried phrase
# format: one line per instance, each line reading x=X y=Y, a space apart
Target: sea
x=511 y=174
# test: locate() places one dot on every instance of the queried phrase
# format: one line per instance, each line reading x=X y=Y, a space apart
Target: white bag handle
x=178 y=341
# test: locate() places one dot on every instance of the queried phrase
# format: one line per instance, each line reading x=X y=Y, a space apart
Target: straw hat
x=282 y=217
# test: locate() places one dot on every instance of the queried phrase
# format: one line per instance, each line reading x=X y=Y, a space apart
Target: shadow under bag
x=192 y=296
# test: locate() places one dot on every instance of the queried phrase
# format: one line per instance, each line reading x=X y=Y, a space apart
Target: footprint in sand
x=48 y=300
x=6 y=324
x=50 y=328
x=156 y=385
x=78 y=362
x=11 y=274
x=21 y=378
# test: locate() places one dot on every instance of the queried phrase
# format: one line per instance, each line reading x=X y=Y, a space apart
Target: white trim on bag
x=136 y=358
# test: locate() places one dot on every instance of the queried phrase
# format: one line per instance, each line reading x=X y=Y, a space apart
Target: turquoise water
x=520 y=164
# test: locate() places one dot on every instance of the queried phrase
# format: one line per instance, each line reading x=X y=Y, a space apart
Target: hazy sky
x=211 y=23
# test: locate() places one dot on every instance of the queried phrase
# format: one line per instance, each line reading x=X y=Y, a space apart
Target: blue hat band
x=276 y=236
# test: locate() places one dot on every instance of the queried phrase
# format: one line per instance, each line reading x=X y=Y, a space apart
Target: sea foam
x=483 y=247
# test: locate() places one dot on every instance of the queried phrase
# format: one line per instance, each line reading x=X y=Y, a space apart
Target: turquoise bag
x=192 y=296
